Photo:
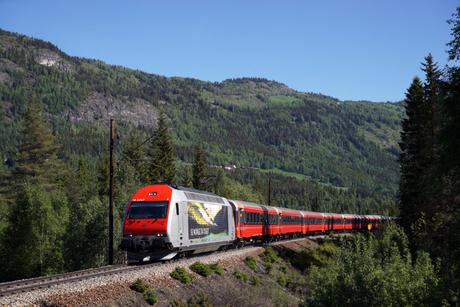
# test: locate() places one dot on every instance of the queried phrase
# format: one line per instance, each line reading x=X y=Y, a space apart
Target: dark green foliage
x=202 y=269
x=150 y=296
x=182 y=275
x=161 y=156
x=270 y=255
x=251 y=262
x=454 y=44
x=281 y=280
x=33 y=246
x=217 y=268
x=199 y=168
x=134 y=153
x=412 y=141
x=254 y=280
x=241 y=276
x=36 y=159
x=139 y=286
x=430 y=168
x=320 y=256
x=375 y=272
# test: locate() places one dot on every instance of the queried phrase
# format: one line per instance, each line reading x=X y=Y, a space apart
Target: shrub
x=241 y=276
x=182 y=275
x=150 y=296
x=268 y=267
x=374 y=272
x=283 y=269
x=281 y=280
x=251 y=262
x=217 y=268
x=139 y=286
x=255 y=281
x=322 y=254
x=270 y=255
x=202 y=269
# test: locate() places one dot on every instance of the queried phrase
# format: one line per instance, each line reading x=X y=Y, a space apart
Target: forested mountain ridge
x=249 y=122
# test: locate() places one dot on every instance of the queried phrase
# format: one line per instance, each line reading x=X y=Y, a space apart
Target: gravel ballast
x=96 y=290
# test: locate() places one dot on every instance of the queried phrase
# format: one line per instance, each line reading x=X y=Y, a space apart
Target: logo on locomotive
x=207 y=220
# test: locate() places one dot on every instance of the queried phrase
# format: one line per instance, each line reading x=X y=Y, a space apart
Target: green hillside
x=250 y=122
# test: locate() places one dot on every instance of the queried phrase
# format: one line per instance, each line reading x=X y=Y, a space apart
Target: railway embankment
x=249 y=276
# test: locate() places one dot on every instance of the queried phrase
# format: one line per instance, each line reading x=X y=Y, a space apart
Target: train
x=163 y=221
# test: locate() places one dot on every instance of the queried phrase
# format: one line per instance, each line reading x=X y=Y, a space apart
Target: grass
x=149 y=294
x=217 y=268
x=241 y=276
x=139 y=286
x=251 y=262
x=281 y=280
x=202 y=269
x=270 y=255
x=255 y=281
x=181 y=275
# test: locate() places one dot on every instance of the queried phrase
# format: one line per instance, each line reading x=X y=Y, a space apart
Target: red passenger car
x=255 y=222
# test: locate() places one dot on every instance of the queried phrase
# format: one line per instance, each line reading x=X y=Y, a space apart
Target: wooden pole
x=111 y=182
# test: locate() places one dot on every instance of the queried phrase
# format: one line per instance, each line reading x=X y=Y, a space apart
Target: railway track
x=26 y=285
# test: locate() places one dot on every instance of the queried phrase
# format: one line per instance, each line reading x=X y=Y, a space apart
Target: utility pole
x=111 y=179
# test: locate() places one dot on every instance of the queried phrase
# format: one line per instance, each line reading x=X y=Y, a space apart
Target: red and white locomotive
x=163 y=221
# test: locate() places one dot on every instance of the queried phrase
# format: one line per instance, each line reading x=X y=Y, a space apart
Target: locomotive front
x=145 y=227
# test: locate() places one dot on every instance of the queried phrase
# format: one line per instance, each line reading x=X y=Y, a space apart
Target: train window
x=148 y=210
x=177 y=208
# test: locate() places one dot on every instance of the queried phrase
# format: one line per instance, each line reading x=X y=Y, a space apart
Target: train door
x=180 y=211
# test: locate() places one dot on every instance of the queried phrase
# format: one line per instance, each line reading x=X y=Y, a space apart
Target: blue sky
x=355 y=49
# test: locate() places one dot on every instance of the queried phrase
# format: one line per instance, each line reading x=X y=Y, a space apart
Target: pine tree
x=411 y=145
x=219 y=183
x=135 y=155
x=199 y=168
x=161 y=160
x=454 y=44
x=37 y=162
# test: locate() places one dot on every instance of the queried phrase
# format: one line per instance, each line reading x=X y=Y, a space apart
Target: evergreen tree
x=33 y=246
x=219 y=184
x=36 y=162
x=135 y=155
x=411 y=145
x=199 y=168
x=161 y=160
x=454 y=44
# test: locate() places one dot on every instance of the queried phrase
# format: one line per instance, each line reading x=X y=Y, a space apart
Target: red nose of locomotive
x=147 y=212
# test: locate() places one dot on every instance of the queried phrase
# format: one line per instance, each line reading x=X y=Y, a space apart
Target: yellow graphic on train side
x=207 y=220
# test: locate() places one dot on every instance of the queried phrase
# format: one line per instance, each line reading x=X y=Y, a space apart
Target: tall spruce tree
x=411 y=145
x=135 y=155
x=37 y=162
x=199 y=168
x=161 y=160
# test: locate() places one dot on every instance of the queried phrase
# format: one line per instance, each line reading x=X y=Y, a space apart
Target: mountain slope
x=249 y=122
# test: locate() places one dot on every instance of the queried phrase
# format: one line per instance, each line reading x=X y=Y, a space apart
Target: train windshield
x=148 y=210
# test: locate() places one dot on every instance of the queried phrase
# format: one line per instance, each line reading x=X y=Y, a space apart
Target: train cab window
x=148 y=210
